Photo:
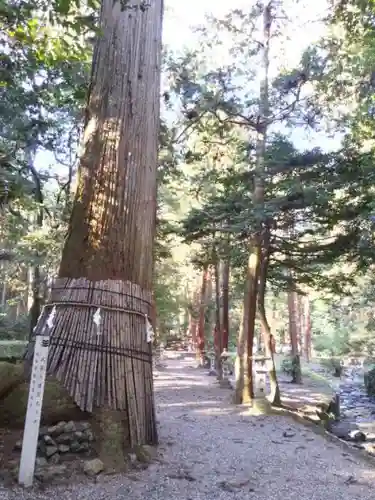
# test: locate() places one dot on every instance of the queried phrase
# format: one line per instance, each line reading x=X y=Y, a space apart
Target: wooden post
x=35 y=403
x=34 y=410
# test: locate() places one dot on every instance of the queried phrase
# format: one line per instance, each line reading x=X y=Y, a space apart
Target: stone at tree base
x=55 y=459
x=43 y=430
x=70 y=427
x=63 y=448
x=357 y=436
x=75 y=447
x=41 y=462
x=50 y=450
x=82 y=426
x=46 y=474
x=89 y=435
x=83 y=447
x=48 y=440
x=79 y=436
x=64 y=439
x=57 y=430
x=93 y=467
x=146 y=453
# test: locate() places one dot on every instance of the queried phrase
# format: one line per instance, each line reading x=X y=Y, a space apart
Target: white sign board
x=34 y=410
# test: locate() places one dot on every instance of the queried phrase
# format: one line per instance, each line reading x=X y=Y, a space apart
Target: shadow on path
x=212 y=450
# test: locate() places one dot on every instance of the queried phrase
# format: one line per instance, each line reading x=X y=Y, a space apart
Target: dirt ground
x=210 y=449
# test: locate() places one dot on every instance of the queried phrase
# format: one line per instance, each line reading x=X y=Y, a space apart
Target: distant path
x=210 y=451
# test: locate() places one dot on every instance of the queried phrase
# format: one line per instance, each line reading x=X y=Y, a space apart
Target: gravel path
x=211 y=450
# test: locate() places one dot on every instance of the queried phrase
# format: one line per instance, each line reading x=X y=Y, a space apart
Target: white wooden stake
x=149 y=330
x=34 y=409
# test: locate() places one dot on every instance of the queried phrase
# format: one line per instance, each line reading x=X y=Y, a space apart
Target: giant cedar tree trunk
x=112 y=225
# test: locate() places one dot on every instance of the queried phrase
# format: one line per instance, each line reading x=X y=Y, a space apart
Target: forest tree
x=112 y=225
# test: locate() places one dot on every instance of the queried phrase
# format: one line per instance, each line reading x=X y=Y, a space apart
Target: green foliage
x=12 y=349
x=317 y=205
x=344 y=324
x=287 y=366
x=12 y=330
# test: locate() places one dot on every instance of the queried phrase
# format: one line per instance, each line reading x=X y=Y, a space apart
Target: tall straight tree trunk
x=251 y=302
x=246 y=337
x=35 y=272
x=201 y=322
x=225 y=302
x=4 y=293
x=266 y=330
x=307 y=332
x=292 y=309
x=193 y=318
x=218 y=327
x=244 y=390
x=112 y=225
x=36 y=298
x=300 y=322
x=36 y=281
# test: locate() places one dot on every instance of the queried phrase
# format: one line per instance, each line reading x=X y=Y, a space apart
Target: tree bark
x=112 y=225
x=275 y=398
x=35 y=272
x=253 y=279
x=225 y=303
x=201 y=322
x=4 y=293
x=300 y=323
x=37 y=301
x=244 y=390
x=297 y=378
x=307 y=329
x=193 y=317
x=253 y=269
x=218 y=337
